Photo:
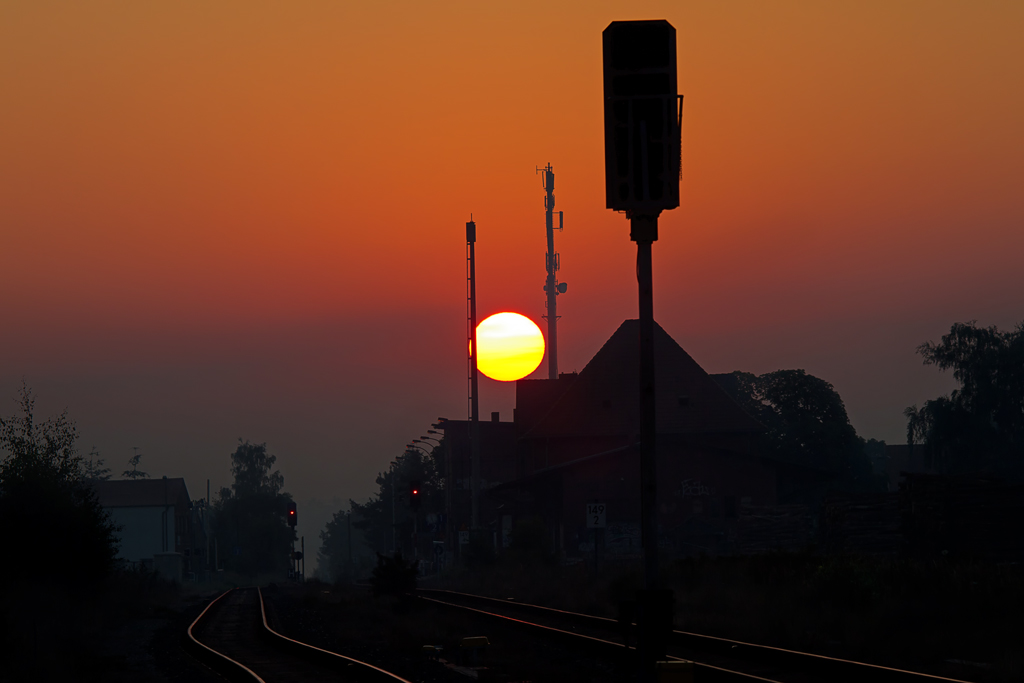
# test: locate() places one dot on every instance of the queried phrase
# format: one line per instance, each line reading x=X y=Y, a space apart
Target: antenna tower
x=551 y=264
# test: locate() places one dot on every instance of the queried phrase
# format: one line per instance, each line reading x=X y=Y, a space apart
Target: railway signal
x=641 y=117
x=292 y=516
x=415 y=495
x=642 y=147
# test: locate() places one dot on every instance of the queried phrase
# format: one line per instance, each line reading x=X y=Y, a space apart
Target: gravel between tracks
x=349 y=621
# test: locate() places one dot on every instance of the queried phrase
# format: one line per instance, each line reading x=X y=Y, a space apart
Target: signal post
x=642 y=118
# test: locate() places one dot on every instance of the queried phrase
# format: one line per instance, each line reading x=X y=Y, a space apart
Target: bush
x=49 y=513
x=393 y=575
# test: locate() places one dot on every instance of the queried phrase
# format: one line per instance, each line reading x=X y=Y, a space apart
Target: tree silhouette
x=94 y=467
x=806 y=424
x=250 y=466
x=47 y=510
x=135 y=472
x=332 y=557
x=980 y=425
x=375 y=515
x=250 y=518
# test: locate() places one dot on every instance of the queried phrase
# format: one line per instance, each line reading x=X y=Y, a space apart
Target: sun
x=511 y=346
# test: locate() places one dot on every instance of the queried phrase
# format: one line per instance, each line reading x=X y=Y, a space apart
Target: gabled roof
x=604 y=399
x=140 y=492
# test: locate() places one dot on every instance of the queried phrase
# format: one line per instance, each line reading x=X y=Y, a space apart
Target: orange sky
x=246 y=218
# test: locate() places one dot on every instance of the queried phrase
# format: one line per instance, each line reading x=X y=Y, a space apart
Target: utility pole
x=394 y=492
x=474 y=403
x=551 y=264
x=206 y=526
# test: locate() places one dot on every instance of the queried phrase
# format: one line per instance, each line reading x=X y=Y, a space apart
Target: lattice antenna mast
x=474 y=402
x=551 y=264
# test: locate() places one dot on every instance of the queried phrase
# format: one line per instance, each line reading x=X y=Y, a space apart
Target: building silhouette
x=573 y=441
x=159 y=527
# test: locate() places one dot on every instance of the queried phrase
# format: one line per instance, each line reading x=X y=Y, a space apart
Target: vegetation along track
x=232 y=637
x=714 y=659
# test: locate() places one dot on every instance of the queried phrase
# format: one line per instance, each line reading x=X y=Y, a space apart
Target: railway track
x=232 y=636
x=715 y=659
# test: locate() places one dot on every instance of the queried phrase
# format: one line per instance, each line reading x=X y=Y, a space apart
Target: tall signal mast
x=551 y=264
x=474 y=401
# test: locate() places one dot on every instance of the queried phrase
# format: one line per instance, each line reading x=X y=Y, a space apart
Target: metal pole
x=450 y=543
x=648 y=477
x=303 y=559
x=644 y=231
x=206 y=525
x=473 y=382
x=551 y=265
x=394 y=530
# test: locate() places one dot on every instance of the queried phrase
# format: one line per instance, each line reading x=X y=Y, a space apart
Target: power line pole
x=551 y=264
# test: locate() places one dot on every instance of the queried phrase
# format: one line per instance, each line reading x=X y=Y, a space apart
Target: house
x=578 y=444
x=573 y=442
x=159 y=528
x=497 y=466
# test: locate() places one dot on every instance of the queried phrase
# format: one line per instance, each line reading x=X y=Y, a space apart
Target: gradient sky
x=246 y=219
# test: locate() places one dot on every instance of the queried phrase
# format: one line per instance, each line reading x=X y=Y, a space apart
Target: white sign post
x=596 y=515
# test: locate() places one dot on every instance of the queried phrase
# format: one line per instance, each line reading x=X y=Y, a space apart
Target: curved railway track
x=714 y=659
x=232 y=636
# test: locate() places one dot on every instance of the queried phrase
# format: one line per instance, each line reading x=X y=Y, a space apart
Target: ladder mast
x=474 y=387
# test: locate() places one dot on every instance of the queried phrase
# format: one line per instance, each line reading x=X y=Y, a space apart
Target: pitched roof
x=140 y=492
x=605 y=398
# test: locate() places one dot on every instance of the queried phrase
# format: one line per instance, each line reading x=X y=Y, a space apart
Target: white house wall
x=142 y=531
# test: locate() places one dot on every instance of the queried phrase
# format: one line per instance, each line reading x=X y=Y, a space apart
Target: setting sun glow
x=511 y=346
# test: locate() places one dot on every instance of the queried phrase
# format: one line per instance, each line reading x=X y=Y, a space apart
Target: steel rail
x=308 y=651
x=591 y=639
x=234 y=670
x=868 y=668
x=219 y=662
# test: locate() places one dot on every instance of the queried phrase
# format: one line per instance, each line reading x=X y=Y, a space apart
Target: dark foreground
x=952 y=618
